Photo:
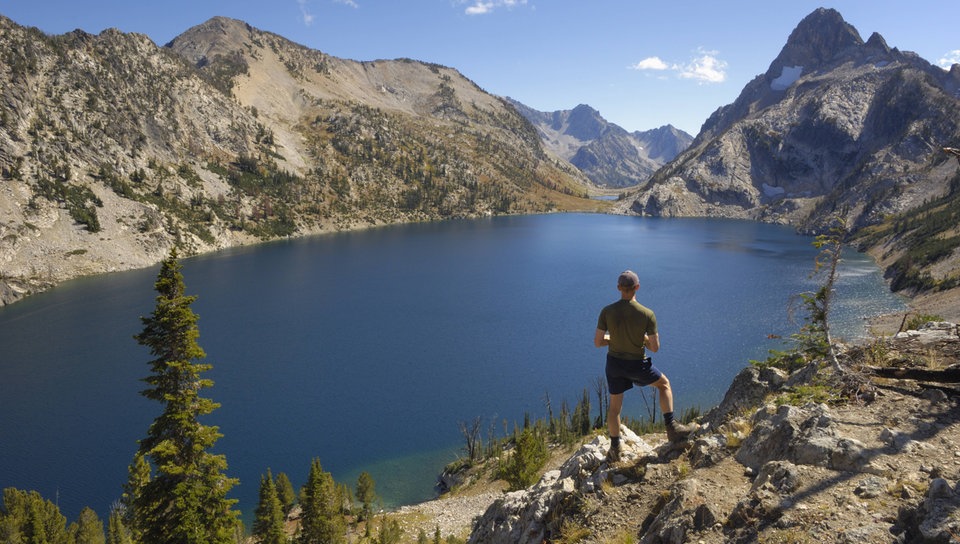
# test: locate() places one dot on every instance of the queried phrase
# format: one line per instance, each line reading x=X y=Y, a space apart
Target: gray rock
x=750 y=386
x=803 y=436
x=939 y=489
x=871 y=488
x=781 y=476
x=528 y=516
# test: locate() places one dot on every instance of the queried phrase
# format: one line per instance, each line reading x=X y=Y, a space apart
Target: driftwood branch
x=947 y=375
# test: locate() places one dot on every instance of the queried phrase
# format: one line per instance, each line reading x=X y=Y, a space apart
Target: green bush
x=916 y=321
x=529 y=456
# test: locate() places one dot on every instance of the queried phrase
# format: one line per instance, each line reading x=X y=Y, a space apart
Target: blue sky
x=641 y=64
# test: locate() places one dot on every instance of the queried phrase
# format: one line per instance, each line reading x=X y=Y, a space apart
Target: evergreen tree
x=581 y=415
x=366 y=494
x=814 y=341
x=268 y=524
x=321 y=521
x=117 y=533
x=529 y=456
x=182 y=497
x=390 y=531
x=138 y=476
x=28 y=518
x=88 y=529
x=285 y=493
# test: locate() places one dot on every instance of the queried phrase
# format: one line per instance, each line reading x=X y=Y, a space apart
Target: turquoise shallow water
x=366 y=349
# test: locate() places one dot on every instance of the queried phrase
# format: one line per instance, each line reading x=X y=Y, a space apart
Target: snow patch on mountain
x=788 y=76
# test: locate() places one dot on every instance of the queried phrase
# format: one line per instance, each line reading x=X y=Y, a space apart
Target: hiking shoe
x=613 y=454
x=678 y=432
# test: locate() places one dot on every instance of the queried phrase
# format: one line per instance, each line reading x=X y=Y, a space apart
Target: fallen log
x=946 y=375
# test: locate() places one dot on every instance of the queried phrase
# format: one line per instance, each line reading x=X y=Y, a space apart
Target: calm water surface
x=366 y=349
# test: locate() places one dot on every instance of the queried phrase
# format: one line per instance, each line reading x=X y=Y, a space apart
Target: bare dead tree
x=471 y=435
x=603 y=400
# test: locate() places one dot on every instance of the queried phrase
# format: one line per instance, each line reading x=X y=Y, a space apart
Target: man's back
x=628 y=322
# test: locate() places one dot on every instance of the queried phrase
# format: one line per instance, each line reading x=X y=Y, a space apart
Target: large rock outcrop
x=879 y=468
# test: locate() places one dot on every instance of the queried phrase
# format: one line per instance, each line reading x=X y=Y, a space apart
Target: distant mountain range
x=606 y=153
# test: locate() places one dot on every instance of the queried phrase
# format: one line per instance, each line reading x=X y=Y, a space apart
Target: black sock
x=668 y=418
x=614 y=441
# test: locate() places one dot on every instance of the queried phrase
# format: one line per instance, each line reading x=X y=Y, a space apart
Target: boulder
x=802 y=435
x=534 y=515
x=750 y=386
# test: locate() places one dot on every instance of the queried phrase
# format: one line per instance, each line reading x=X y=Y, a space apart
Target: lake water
x=366 y=349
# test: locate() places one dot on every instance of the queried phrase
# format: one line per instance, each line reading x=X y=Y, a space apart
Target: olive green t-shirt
x=627 y=321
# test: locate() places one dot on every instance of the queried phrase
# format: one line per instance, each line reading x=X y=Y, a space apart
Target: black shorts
x=623 y=373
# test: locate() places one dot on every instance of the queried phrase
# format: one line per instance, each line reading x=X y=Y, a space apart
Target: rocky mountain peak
x=836 y=125
x=217 y=36
x=876 y=42
x=585 y=123
x=605 y=152
x=815 y=42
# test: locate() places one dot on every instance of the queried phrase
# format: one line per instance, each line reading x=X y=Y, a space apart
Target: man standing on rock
x=628 y=329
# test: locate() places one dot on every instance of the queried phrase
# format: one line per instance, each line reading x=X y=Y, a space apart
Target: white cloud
x=481 y=7
x=705 y=67
x=650 y=63
x=951 y=58
x=305 y=13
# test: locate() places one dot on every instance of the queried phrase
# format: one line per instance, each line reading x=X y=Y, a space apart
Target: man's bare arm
x=652 y=341
x=600 y=339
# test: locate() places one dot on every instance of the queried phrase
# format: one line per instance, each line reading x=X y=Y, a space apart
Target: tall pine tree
x=366 y=494
x=285 y=492
x=28 y=518
x=117 y=533
x=177 y=489
x=322 y=521
x=88 y=529
x=268 y=523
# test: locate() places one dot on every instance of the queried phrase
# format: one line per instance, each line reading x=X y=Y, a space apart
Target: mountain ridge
x=113 y=150
x=606 y=153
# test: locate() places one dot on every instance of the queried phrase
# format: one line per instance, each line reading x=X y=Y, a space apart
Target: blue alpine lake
x=366 y=349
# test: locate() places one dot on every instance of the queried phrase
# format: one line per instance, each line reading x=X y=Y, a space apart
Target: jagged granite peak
x=664 y=143
x=816 y=42
x=877 y=43
x=608 y=154
x=585 y=123
x=835 y=125
x=821 y=42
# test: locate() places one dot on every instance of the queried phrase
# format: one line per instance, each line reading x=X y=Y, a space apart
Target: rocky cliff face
x=112 y=149
x=835 y=123
x=606 y=153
